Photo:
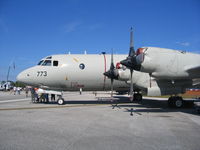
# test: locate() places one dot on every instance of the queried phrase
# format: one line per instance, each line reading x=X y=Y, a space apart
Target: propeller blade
x=131 y=50
x=112 y=67
x=131 y=86
x=112 y=80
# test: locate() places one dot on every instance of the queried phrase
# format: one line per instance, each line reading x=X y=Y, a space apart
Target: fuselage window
x=40 y=62
x=82 y=66
x=55 y=63
x=47 y=63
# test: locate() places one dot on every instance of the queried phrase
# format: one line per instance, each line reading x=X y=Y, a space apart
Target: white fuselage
x=72 y=73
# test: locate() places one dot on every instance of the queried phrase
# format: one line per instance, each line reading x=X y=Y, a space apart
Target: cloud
x=95 y=26
x=77 y=25
x=183 y=43
x=72 y=26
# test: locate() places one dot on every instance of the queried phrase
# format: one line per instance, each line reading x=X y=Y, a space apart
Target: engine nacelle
x=124 y=75
x=154 y=91
x=157 y=91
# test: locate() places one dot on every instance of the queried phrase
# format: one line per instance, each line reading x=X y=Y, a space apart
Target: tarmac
x=88 y=122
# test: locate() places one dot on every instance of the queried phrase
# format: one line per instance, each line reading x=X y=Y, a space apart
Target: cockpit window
x=55 y=63
x=47 y=63
x=49 y=57
x=40 y=62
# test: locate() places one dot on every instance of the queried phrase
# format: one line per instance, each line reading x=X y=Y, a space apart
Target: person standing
x=18 y=90
x=14 y=90
x=26 y=91
x=33 y=95
x=53 y=97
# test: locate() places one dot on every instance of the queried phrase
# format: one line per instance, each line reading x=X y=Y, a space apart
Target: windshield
x=47 y=63
x=41 y=61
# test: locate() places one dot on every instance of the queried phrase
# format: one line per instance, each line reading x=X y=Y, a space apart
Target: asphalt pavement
x=89 y=121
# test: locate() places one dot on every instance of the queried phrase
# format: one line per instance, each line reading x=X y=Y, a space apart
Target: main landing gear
x=175 y=102
x=137 y=97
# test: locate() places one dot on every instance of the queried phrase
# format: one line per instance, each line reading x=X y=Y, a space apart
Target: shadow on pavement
x=146 y=105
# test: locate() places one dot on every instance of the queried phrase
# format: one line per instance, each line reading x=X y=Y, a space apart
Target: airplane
x=70 y=72
x=172 y=70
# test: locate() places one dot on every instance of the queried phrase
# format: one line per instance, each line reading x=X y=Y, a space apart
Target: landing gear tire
x=60 y=101
x=175 y=102
x=179 y=102
x=138 y=97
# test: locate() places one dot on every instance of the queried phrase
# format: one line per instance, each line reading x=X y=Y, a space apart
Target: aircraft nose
x=20 y=77
x=23 y=77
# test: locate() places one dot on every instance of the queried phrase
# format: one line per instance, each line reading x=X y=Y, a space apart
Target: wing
x=184 y=83
x=194 y=71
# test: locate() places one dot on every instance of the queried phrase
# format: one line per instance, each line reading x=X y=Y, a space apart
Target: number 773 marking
x=41 y=73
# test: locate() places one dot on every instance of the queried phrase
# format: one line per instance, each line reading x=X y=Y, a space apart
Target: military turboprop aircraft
x=172 y=70
x=69 y=72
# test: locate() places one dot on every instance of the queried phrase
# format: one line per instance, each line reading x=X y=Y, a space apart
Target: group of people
x=17 y=90
x=38 y=97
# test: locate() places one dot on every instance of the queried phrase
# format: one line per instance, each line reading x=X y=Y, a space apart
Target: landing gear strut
x=138 y=97
x=175 y=102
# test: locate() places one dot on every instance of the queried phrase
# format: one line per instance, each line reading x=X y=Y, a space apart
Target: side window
x=55 y=63
x=82 y=66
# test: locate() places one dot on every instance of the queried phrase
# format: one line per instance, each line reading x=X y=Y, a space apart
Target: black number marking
x=42 y=73
x=38 y=73
x=45 y=73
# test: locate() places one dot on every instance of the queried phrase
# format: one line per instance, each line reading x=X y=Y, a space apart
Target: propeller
x=130 y=62
x=111 y=73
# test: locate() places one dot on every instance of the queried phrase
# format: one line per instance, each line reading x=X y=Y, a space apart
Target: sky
x=33 y=29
